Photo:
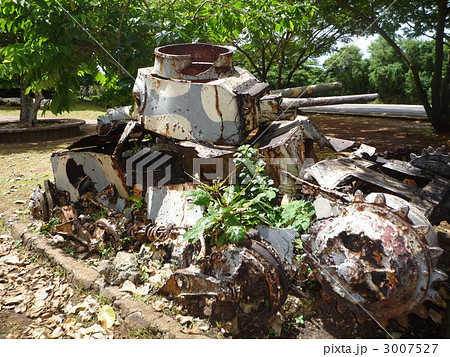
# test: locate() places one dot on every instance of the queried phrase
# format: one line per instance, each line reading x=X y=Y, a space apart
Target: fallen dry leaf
x=13 y=300
x=128 y=287
x=69 y=323
x=159 y=305
x=13 y=260
x=106 y=316
x=56 y=333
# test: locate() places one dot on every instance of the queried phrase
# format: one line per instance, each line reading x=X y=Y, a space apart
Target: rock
x=124 y=267
x=104 y=267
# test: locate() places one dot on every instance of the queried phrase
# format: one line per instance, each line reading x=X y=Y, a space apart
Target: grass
x=24 y=165
x=142 y=334
x=21 y=169
x=82 y=110
x=3 y=228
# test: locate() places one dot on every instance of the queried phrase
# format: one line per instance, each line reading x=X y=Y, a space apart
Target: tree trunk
x=440 y=117
x=29 y=106
x=437 y=112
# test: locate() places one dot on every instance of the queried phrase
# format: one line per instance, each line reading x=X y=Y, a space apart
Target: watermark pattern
x=225 y=168
x=146 y=166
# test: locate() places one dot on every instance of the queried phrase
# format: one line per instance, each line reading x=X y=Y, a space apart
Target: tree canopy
x=421 y=17
x=274 y=39
x=52 y=44
x=43 y=53
x=349 y=67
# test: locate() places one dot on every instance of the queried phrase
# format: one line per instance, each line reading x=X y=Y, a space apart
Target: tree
x=422 y=17
x=422 y=53
x=42 y=55
x=349 y=67
x=274 y=39
x=387 y=72
x=391 y=76
x=49 y=49
x=125 y=39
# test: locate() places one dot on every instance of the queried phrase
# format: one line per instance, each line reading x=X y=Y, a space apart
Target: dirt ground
x=382 y=133
x=22 y=167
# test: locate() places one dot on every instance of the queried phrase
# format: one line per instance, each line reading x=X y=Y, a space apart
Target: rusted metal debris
x=246 y=282
x=377 y=254
x=433 y=161
x=193 y=109
x=372 y=257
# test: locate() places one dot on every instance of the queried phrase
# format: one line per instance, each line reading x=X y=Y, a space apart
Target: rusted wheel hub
x=375 y=260
x=246 y=283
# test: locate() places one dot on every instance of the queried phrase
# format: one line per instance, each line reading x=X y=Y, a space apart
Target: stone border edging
x=136 y=314
x=60 y=129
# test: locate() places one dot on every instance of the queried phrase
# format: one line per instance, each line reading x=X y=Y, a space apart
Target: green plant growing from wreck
x=230 y=210
x=137 y=202
x=50 y=225
x=297 y=214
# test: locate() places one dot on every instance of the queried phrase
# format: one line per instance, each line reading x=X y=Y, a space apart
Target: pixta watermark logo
x=153 y=168
x=148 y=168
x=225 y=169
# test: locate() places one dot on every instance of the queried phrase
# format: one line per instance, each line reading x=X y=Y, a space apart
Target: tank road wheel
x=375 y=260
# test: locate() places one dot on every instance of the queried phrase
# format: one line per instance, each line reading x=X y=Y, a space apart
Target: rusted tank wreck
x=372 y=245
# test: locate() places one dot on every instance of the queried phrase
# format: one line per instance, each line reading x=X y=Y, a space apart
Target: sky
x=362 y=42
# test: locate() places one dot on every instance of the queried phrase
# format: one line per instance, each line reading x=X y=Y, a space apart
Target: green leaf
x=198 y=197
x=297 y=214
x=202 y=224
x=235 y=231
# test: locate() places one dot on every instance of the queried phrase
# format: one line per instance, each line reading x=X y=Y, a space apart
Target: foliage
x=274 y=39
x=422 y=53
x=102 y=213
x=300 y=320
x=50 y=225
x=297 y=214
x=391 y=76
x=230 y=210
x=387 y=72
x=350 y=68
x=137 y=202
x=48 y=48
x=106 y=251
x=413 y=18
x=43 y=53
